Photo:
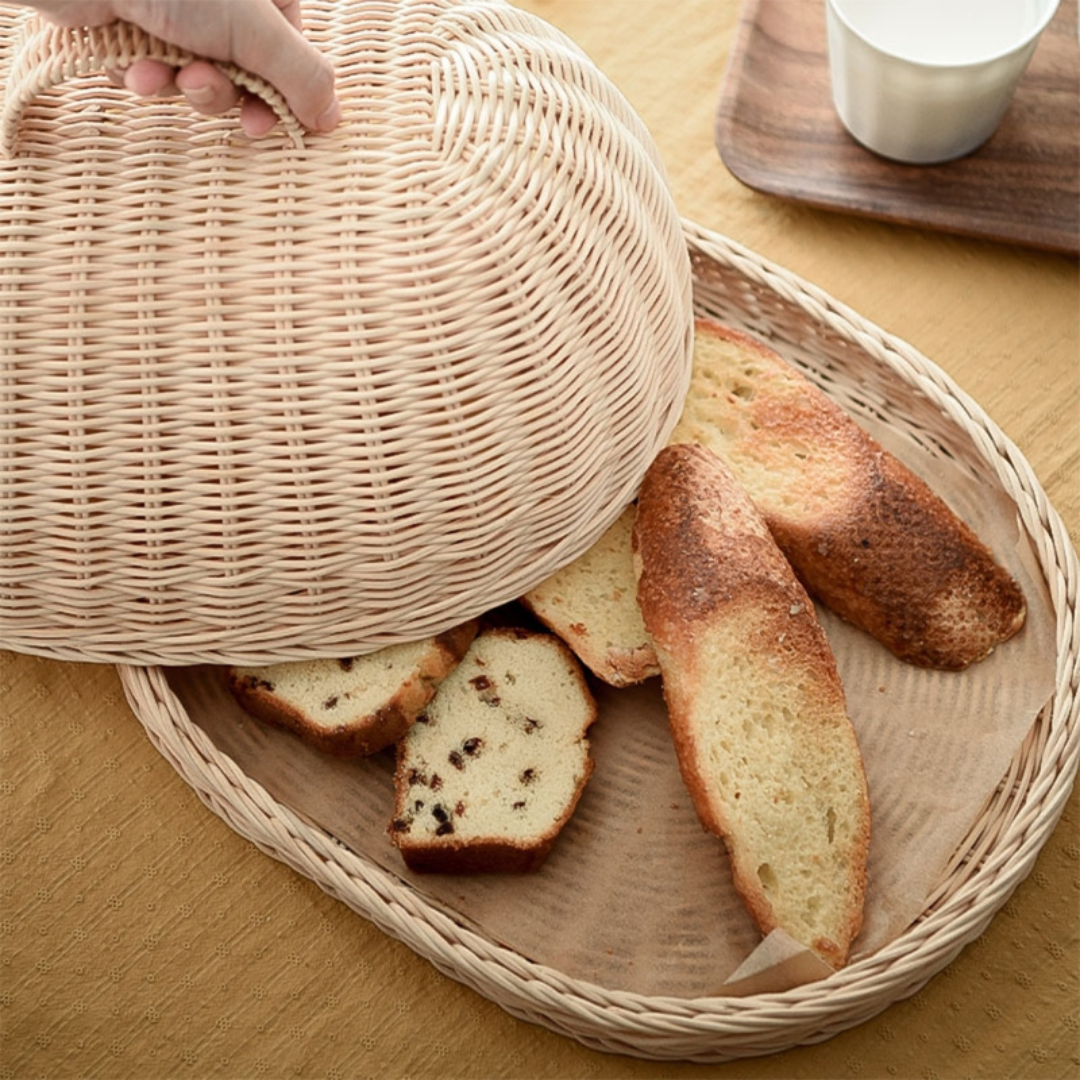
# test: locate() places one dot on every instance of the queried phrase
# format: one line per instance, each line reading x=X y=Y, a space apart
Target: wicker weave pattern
x=275 y=400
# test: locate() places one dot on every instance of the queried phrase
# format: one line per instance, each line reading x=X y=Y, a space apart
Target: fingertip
x=207 y=88
x=148 y=78
x=257 y=118
x=330 y=117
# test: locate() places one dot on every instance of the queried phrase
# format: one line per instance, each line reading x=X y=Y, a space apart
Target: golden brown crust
x=375 y=732
x=628 y=667
x=868 y=537
x=707 y=551
x=452 y=645
x=903 y=567
x=706 y=561
x=476 y=857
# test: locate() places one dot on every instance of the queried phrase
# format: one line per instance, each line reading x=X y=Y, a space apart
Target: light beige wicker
x=868 y=371
x=321 y=393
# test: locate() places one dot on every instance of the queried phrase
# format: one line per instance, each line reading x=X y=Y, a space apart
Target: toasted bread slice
x=354 y=706
x=866 y=535
x=592 y=605
x=755 y=703
x=493 y=768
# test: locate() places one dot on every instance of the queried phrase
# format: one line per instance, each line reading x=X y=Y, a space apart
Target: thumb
x=266 y=43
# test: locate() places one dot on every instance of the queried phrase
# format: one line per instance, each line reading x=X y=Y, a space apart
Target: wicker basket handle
x=49 y=55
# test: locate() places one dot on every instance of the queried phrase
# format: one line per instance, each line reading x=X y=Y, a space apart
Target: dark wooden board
x=777 y=131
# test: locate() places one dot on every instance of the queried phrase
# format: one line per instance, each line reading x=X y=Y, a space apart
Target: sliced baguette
x=491 y=772
x=357 y=705
x=867 y=536
x=592 y=605
x=755 y=703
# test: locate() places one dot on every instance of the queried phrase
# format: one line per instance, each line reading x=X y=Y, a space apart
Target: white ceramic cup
x=925 y=81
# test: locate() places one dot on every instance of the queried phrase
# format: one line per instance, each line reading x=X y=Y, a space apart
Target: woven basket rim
x=709 y=1029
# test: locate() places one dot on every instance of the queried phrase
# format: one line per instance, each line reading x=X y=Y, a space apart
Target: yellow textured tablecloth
x=141 y=938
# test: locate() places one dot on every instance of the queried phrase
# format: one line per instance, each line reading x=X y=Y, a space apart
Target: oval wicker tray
x=867 y=370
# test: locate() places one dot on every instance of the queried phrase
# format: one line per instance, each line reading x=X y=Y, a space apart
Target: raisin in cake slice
x=592 y=605
x=755 y=703
x=492 y=770
x=354 y=706
x=866 y=535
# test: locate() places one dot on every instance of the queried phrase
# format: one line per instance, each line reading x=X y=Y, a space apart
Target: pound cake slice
x=592 y=605
x=866 y=535
x=492 y=770
x=357 y=705
x=755 y=703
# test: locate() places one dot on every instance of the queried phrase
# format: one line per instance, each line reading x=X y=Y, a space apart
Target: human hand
x=261 y=36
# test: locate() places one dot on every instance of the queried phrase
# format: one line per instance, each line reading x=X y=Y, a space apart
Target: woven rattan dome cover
x=312 y=394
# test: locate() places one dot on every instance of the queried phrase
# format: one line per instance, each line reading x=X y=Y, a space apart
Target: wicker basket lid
x=313 y=394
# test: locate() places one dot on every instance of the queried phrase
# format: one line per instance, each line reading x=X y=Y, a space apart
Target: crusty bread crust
x=374 y=732
x=867 y=537
x=755 y=703
x=492 y=855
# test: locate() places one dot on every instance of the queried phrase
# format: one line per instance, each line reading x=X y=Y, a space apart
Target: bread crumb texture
x=785 y=790
x=336 y=693
x=592 y=605
x=494 y=766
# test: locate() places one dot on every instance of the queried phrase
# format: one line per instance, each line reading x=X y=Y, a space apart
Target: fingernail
x=330 y=117
x=199 y=95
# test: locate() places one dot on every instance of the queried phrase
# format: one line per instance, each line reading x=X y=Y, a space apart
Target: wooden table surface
x=141 y=938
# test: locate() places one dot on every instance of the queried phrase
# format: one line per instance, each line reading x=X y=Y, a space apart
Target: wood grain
x=777 y=131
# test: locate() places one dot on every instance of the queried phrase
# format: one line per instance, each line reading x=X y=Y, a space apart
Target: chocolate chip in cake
x=436 y=781
x=400 y=825
x=347 y=663
x=519 y=805
x=444 y=829
x=531 y=725
x=456 y=760
x=330 y=702
x=472 y=746
x=527 y=777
